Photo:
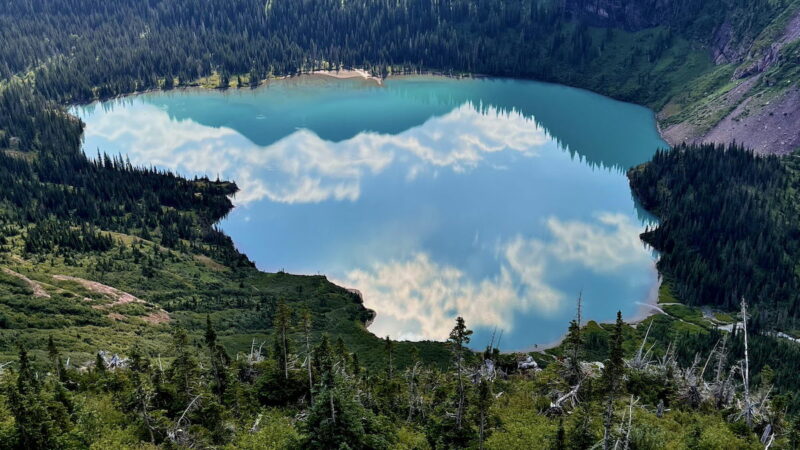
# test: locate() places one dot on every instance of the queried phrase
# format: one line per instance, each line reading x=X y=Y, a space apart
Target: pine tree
x=573 y=343
x=483 y=403
x=612 y=379
x=581 y=437
x=55 y=358
x=559 y=442
x=140 y=399
x=459 y=338
x=219 y=360
x=388 y=347
x=306 y=322
x=183 y=373
x=281 y=323
x=99 y=364
x=34 y=427
x=335 y=419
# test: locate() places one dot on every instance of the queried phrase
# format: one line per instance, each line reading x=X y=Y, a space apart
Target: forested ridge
x=128 y=320
x=81 y=49
x=744 y=246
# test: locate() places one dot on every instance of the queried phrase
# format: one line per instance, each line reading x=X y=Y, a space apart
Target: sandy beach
x=348 y=73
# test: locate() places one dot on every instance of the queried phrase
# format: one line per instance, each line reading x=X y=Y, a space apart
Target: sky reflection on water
x=498 y=200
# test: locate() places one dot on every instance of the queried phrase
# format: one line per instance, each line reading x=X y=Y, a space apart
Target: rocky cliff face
x=762 y=108
x=755 y=109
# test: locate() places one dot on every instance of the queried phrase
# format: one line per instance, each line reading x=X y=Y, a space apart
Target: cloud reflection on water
x=415 y=273
x=416 y=298
x=302 y=168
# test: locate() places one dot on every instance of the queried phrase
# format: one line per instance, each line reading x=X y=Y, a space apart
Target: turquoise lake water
x=498 y=200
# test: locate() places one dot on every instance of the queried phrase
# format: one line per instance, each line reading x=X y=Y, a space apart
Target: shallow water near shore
x=498 y=200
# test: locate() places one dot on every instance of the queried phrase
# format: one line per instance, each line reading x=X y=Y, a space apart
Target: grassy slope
x=688 y=88
x=239 y=301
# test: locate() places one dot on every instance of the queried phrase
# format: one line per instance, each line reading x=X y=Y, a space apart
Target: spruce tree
x=388 y=348
x=483 y=403
x=55 y=358
x=281 y=323
x=219 y=360
x=612 y=378
x=307 y=322
x=559 y=442
x=573 y=343
x=183 y=373
x=34 y=428
x=459 y=338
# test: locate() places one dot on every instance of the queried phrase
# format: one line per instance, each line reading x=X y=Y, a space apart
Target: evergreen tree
x=388 y=347
x=219 y=360
x=34 y=428
x=99 y=364
x=183 y=373
x=459 y=338
x=281 y=323
x=307 y=323
x=483 y=403
x=612 y=379
x=55 y=358
x=559 y=442
x=573 y=344
x=581 y=437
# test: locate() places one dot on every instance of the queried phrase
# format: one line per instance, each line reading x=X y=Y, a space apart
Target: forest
x=305 y=393
x=639 y=50
x=193 y=347
x=745 y=246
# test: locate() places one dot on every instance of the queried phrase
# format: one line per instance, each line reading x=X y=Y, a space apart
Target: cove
x=498 y=200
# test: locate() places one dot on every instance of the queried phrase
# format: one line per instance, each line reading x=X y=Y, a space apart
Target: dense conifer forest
x=127 y=320
x=745 y=246
x=76 y=50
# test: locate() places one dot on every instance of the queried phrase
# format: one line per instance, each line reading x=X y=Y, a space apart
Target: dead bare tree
x=558 y=406
x=178 y=433
x=624 y=439
x=748 y=412
x=642 y=360
x=414 y=397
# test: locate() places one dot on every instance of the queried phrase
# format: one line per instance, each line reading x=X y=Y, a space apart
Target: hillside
x=710 y=76
x=97 y=254
x=127 y=319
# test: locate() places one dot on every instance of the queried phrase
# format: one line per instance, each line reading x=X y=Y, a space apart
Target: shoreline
x=647 y=308
x=346 y=74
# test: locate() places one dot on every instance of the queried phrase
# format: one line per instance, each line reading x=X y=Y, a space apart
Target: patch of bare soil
x=158 y=316
x=119 y=297
x=38 y=290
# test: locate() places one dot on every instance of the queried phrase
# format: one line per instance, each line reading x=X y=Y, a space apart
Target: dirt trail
x=38 y=290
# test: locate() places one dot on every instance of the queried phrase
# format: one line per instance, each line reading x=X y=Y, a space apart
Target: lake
x=498 y=200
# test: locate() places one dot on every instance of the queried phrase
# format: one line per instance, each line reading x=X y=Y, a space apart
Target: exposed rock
x=36 y=287
x=119 y=297
x=771 y=128
x=758 y=63
x=157 y=316
x=721 y=51
x=765 y=126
